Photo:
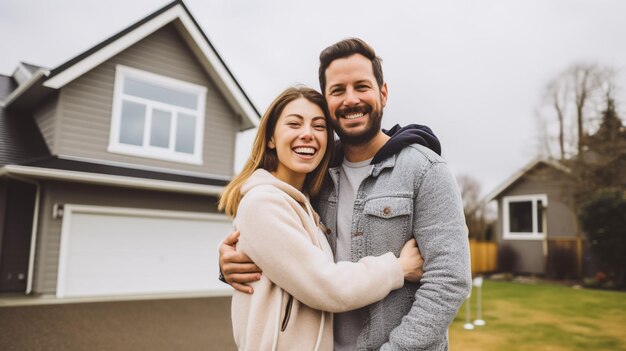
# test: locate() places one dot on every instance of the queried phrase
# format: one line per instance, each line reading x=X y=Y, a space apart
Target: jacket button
x=386 y=210
x=328 y=231
x=357 y=233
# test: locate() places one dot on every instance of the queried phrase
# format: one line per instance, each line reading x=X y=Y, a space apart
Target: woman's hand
x=411 y=262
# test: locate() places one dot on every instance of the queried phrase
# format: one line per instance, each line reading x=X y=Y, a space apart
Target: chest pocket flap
x=388 y=207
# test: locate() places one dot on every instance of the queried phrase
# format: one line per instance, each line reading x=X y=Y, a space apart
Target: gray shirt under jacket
x=348 y=325
x=409 y=194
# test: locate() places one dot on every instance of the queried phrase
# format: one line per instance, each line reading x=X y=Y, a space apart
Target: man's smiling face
x=355 y=101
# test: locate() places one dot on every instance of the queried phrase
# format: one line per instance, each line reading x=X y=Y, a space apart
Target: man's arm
x=236 y=267
x=441 y=234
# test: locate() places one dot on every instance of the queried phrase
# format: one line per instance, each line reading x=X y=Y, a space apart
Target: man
x=384 y=189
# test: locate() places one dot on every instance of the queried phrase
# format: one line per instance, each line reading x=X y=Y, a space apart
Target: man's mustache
x=342 y=112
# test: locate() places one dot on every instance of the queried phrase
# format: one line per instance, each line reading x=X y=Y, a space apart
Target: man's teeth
x=304 y=150
x=354 y=115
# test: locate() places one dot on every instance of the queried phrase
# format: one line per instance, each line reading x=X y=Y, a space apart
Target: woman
x=282 y=234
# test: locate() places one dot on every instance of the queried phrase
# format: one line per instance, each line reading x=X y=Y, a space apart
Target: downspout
x=33 y=233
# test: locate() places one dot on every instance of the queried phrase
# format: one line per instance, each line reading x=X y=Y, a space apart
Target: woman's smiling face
x=300 y=140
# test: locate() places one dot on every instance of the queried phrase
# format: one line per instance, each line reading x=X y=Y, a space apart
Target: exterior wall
x=85 y=106
x=561 y=221
x=49 y=238
x=46 y=120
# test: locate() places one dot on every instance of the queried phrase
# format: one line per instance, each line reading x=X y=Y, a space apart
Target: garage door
x=119 y=251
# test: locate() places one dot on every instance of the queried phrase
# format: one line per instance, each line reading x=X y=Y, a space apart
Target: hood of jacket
x=263 y=177
x=401 y=137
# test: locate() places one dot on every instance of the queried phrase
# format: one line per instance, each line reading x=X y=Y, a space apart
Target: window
x=524 y=216
x=157 y=117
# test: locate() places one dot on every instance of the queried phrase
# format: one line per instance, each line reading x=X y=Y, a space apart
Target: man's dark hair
x=346 y=48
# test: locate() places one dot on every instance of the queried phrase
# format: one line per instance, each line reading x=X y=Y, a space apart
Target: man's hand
x=237 y=268
x=412 y=262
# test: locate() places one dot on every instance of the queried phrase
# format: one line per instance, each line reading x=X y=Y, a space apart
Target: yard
x=543 y=316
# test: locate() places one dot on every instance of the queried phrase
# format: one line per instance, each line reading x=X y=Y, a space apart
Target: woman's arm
x=275 y=239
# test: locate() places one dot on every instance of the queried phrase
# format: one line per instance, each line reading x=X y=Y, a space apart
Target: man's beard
x=372 y=128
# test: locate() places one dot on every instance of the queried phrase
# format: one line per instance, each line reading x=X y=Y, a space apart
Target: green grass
x=543 y=317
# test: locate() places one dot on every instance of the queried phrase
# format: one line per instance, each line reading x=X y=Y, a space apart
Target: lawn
x=541 y=317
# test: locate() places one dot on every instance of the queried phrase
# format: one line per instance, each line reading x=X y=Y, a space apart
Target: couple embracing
x=326 y=250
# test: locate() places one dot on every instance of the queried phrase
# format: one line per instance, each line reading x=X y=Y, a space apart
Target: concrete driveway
x=169 y=324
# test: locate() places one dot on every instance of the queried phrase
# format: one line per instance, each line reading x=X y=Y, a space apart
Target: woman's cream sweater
x=280 y=233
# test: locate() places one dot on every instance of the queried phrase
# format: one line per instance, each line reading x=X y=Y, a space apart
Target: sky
x=474 y=71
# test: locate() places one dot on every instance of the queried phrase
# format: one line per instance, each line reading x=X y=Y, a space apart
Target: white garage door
x=116 y=251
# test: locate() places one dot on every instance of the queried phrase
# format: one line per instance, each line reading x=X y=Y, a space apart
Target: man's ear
x=383 y=94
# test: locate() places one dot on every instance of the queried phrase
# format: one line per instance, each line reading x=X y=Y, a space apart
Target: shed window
x=157 y=117
x=524 y=216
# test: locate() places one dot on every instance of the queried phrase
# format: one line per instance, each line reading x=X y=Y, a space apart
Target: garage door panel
x=117 y=254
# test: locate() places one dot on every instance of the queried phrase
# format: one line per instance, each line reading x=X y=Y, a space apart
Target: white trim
x=146 y=150
x=176 y=12
x=70 y=209
x=21 y=74
x=535 y=234
x=24 y=87
x=105 y=179
x=146 y=168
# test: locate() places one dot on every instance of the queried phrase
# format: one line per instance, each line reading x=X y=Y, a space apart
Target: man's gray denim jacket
x=409 y=194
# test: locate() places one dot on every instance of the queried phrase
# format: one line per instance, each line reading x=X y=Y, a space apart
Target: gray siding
x=561 y=221
x=49 y=239
x=46 y=120
x=85 y=105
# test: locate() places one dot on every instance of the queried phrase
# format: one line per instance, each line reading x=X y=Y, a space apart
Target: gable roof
x=20 y=139
x=522 y=172
x=43 y=82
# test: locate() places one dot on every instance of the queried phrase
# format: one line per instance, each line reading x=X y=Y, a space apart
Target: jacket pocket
x=287 y=314
x=387 y=223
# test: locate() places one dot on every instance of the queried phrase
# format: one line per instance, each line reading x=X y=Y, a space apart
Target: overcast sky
x=474 y=71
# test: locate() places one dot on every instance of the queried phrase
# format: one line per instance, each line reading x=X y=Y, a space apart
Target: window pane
x=132 y=123
x=540 y=223
x=521 y=217
x=150 y=91
x=160 y=130
x=185 y=133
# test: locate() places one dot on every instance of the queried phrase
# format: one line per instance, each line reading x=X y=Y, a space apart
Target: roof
x=522 y=172
x=43 y=82
x=20 y=138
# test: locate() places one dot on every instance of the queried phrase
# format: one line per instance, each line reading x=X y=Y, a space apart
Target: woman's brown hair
x=264 y=157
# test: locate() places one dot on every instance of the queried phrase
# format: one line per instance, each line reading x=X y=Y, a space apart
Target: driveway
x=170 y=324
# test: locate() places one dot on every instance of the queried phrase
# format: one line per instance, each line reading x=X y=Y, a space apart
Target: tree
x=578 y=114
x=572 y=101
x=603 y=218
x=476 y=212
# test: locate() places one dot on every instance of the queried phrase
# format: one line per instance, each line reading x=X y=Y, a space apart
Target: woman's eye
x=320 y=126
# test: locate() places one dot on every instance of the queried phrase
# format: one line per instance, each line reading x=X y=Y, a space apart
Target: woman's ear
x=271 y=144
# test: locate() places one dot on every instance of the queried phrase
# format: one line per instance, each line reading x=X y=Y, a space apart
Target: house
x=537 y=220
x=111 y=164
x=535 y=213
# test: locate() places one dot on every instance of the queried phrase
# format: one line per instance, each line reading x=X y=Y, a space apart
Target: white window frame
x=154 y=152
x=535 y=234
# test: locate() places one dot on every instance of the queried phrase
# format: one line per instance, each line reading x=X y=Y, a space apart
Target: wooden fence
x=484 y=256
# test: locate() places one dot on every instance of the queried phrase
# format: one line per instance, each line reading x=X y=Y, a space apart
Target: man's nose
x=351 y=98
